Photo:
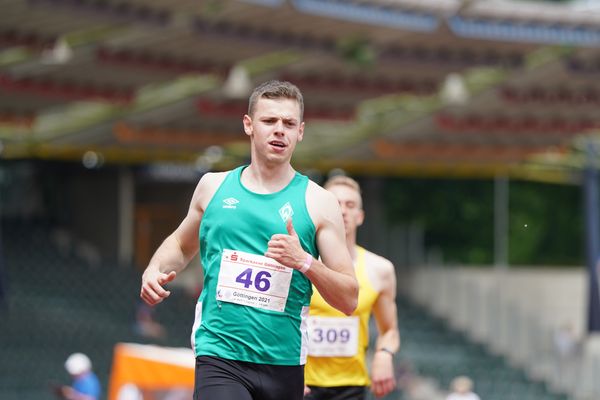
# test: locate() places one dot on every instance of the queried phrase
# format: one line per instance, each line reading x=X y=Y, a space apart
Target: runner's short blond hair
x=342 y=180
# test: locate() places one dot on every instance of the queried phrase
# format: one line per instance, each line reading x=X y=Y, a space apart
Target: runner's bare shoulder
x=208 y=186
x=381 y=270
x=322 y=205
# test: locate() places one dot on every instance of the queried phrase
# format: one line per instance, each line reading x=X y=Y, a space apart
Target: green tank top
x=237 y=224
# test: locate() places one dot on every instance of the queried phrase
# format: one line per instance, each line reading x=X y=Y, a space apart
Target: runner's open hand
x=382 y=374
x=152 y=286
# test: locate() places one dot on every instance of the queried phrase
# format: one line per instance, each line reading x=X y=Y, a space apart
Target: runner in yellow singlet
x=336 y=367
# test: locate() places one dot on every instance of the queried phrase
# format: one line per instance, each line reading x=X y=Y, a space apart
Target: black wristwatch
x=385 y=349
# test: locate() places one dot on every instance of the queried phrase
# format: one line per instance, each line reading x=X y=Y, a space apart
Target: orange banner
x=150 y=368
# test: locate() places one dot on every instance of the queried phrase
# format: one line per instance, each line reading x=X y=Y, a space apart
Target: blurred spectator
x=88 y=253
x=405 y=374
x=565 y=341
x=145 y=325
x=63 y=241
x=462 y=387
x=414 y=386
x=567 y=347
x=85 y=385
x=422 y=388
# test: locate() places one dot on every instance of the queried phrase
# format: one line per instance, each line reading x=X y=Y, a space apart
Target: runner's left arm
x=388 y=341
x=333 y=275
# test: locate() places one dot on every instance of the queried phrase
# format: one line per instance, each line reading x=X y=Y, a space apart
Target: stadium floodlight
x=238 y=84
x=213 y=153
x=60 y=53
x=92 y=159
x=454 y=91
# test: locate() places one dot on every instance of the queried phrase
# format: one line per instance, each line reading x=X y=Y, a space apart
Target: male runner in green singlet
x=262 y=228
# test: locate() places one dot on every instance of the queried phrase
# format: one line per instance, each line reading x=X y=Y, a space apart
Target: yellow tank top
x=344 y=371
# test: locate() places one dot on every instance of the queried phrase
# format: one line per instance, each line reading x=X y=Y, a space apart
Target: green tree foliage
x=546 y=224
x=545 y=220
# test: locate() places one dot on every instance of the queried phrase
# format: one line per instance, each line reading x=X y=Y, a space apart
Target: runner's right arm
x=176 y=251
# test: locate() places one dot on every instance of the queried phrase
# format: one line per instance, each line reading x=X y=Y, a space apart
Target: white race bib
x=332 y=336
x=253 y=280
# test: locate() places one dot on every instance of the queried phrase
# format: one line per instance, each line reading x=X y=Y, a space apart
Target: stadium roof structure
x=405 y=87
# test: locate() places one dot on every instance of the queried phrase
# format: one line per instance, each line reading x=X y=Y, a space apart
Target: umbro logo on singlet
x=230 y=202
x=286 y=211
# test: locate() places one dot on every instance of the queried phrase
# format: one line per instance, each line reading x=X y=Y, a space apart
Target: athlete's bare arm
x=385 y=312
x=176 y=251
x=333 y=276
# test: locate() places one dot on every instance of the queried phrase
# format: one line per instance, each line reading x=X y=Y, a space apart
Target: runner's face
x=351 y=205
x=274 y=129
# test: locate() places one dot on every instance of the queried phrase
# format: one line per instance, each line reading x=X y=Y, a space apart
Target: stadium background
x=470 y=124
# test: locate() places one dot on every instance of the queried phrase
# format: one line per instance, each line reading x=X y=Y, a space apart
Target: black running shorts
x=221 y=379
x=337 y=393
